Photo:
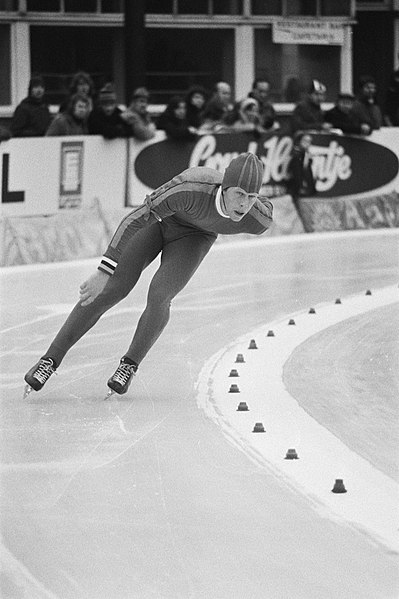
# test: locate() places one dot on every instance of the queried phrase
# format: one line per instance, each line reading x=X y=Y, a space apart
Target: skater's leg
x=142 y=250
x=180 y=260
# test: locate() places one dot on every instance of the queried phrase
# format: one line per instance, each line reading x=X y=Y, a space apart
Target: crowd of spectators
x=84 y=111
x=197 y=112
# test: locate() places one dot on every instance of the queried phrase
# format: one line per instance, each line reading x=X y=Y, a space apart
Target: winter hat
x=35 y=81
x=248 y=102
x=107 y=94
x=245 y=171
x=141 y=92
x=316 y=87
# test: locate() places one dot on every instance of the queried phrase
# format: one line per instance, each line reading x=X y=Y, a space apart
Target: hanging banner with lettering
x=315 y=32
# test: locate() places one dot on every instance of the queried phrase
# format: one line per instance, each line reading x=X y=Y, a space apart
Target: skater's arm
x=159 y=205
x=91 y=288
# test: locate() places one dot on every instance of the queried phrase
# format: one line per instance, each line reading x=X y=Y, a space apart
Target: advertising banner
x=342 y=165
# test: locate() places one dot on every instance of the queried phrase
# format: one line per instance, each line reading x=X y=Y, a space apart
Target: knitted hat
x=107 y=94
x=245 y=171
x=35 y=81
x=141 y=92
x=316 y=87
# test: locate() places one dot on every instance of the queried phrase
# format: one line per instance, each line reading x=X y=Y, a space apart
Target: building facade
x=188 y=42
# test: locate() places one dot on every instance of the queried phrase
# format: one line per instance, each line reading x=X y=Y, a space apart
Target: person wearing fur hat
x=245 y=117
x=32 y=116
x=308 y=113
x=180 y=221
x=107 y=119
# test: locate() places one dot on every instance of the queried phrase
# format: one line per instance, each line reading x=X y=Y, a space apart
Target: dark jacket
x=367 y=112
x=31 y=118
x=65 y=124
x=302 y=182
x=307 y=116
x=110 y=127
x=347 y=122
x=175 y=128
x=392 y=100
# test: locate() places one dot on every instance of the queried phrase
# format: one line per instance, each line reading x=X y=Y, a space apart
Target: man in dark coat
x=342 y=116
x=366 y=107
x=32 y=116
x=107 y=119
x=308 y=114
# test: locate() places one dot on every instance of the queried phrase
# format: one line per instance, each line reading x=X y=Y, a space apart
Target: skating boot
x=37 y=376
x=122 y=377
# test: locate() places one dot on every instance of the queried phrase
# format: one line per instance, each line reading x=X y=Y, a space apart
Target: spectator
x=106 y=118
x=219 y=105
x=74 y=120
x=342 y=117
x=366 y=108
x=260 y=91
x=302 y=182
x=82 y=84
x=222 y=94
x=195 y=103
x=174 y=121
x=213 y=119
x=245 y=117
x=32 y=116
x=392 y=101
x=138 y=117
x=308 y=114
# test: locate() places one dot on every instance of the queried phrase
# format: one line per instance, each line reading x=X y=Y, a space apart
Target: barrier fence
x=61 y=197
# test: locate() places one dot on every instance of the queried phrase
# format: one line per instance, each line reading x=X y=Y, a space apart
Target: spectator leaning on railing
x=342 y=116
x=74 y=120
x=195 y=103
x=82 y=84
x=366 y=107
x=138 y=117
x=106 y=118
x=308 y=114
x=174 y=121
x=260 y=92
x=32 y=116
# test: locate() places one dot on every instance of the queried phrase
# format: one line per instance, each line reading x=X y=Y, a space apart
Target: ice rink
x=166 y=493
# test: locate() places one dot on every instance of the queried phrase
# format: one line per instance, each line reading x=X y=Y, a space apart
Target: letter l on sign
x=6 y=195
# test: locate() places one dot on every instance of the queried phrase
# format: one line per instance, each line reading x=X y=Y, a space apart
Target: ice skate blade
x=110 y=393
x=28 y=389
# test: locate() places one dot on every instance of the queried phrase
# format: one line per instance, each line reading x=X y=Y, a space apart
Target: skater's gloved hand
x=91 y=288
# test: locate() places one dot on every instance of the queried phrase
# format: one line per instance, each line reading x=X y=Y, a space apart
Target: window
x=188 y=7
x=43 y=5
x=59 y=52
x=8 y=5
x=112 y=6
x=267 y=7
x=174 y=64
x=80 y=5
x=301 y=7
x=291 y=67
x=335 y=8
x=227 y=7
x=159 y=7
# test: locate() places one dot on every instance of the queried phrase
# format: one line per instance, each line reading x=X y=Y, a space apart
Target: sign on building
x=315 y=32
